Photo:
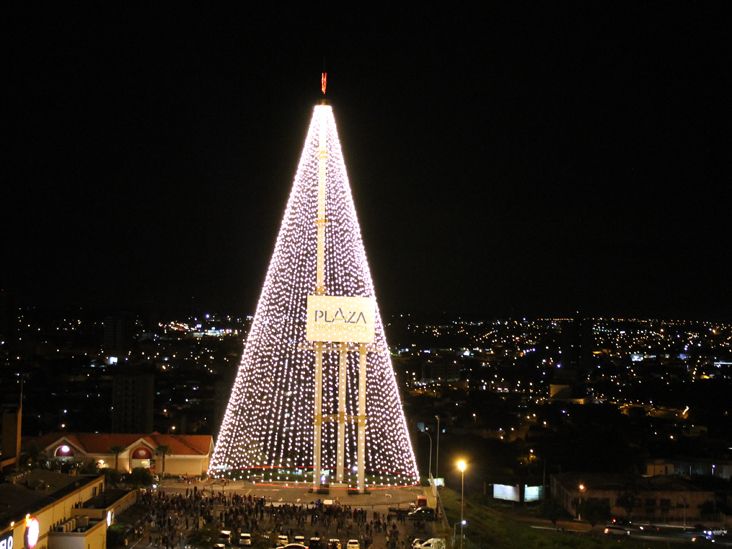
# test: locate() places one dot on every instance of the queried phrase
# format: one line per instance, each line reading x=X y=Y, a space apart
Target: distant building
x=690 y=467
x=566 y=393
x=657 y=498
x=118 y=334
x=440 y=370
x=133 y=396
x=659 y=468
x=10 y=448
x=8 y=327
x=10 y=436
x=186 y=454
x=560 y=391
x=576 y=344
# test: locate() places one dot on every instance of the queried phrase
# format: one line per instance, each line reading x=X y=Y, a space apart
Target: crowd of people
x=173 y=519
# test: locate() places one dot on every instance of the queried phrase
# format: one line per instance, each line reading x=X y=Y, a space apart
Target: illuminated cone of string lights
x=268 y=431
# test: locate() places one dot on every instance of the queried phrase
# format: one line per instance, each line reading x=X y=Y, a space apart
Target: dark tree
x=595 y=510
x=116 y=450
x=628 y=500
x=552 y=510
x=141 y=477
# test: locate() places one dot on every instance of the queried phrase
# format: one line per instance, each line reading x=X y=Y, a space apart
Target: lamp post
x=429 y=467
x=683 y=500
x=461 y=465
x=582 y=489
x=437 y=453
x=454 y=526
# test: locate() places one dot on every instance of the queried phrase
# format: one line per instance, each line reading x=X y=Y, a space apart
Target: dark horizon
x=519 y=163
x=160 y=312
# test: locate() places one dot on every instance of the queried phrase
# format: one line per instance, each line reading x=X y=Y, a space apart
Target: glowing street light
x=454 y=527
x=581 y=489
x=462 y=465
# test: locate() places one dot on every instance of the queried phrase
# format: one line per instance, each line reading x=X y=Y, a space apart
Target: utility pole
x=437 y=456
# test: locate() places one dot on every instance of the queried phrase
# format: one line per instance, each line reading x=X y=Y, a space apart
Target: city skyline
x=522 y=163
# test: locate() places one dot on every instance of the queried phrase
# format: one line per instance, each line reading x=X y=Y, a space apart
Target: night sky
x=510 y=162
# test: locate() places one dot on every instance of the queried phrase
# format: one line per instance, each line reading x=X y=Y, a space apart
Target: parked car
x=245 y=539
x=334 y=544
x=353 y=544
x=616 y=530
x=422 y=513
x=432 y=543
x=402 y=511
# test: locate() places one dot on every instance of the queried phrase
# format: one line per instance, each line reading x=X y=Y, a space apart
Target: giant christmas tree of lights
x=268 y=430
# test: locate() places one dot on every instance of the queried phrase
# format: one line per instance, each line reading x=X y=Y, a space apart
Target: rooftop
x=102 y=443
x=36 y=489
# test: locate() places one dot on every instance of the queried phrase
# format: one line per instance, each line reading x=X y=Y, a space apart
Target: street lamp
x=454 y=526
x=683 y=500
x=437 y=454
x=582 y=489
x=429 y=467
x=461 y=465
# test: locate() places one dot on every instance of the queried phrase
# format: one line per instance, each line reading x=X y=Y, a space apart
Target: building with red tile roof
x=163 y=454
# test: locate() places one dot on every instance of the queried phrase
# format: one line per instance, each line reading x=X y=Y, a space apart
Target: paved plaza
x=377 y=499
x=178 y=513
